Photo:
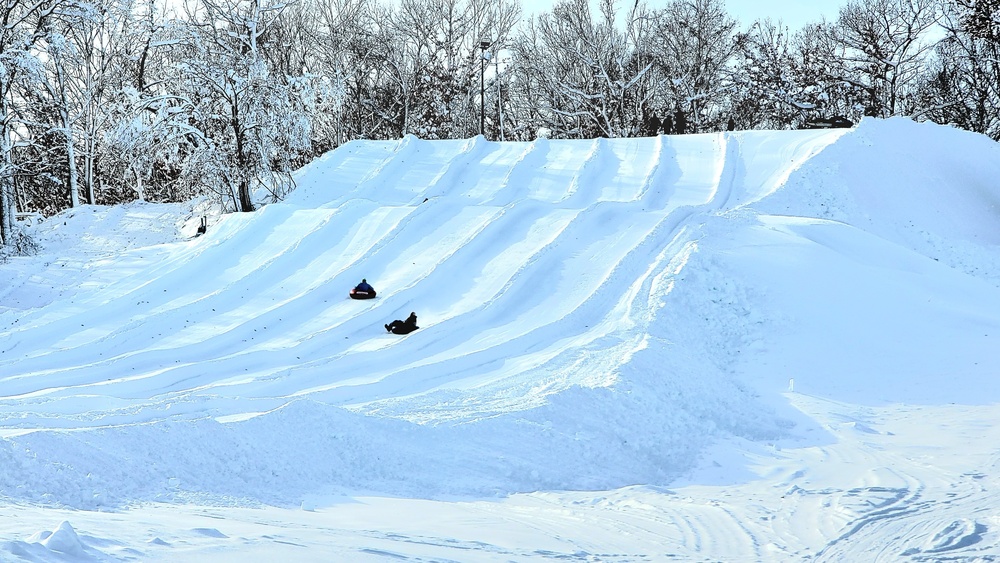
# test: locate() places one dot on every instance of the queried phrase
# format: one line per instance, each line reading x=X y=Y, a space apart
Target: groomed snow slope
x=594 y=315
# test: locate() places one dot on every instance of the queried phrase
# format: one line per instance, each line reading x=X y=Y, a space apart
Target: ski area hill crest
x=593 y=314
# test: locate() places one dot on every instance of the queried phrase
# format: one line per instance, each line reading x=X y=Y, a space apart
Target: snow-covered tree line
x=104 y=101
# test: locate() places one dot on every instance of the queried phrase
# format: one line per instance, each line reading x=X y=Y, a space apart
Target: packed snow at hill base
x=747 y=346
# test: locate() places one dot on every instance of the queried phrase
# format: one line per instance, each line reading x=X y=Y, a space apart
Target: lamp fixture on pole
x=483 y=45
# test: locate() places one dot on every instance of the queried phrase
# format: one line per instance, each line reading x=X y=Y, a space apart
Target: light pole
x=483 y=45
x=496 y=63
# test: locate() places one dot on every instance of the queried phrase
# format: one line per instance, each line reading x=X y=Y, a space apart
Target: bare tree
x=780 y=80
x=442 y=46
x=588 y=76
x=25 y=24
x=764 y=91
x=821 y=65
x=67 y=92
x=963 y=80
x=695 y=41
x=147 y=130
x=532 y=91
x=498 y=22
x=886 y=44
x=349 y=34
x=251 y=122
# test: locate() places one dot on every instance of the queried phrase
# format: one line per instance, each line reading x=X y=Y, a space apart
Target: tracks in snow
x=526 y=263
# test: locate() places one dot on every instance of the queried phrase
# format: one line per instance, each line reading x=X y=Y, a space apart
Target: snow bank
x=927 y=187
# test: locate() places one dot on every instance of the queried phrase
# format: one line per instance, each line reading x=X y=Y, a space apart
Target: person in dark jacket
x=403 y=327
x=680 y=122
x=364 y=286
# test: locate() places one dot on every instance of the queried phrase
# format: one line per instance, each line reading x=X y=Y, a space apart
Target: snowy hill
x=768 y=323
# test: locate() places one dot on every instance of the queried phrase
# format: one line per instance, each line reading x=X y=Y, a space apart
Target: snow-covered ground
x=759 y=346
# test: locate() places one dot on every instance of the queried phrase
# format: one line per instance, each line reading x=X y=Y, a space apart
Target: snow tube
x=403 y=329
x=355 y=294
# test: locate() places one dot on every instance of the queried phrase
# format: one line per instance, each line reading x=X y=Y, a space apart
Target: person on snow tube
x=403 y=327
x=363 y=290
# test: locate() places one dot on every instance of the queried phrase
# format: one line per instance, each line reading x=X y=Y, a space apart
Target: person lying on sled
x=403 y=327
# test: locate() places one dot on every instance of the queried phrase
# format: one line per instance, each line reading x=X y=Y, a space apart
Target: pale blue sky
x=795 y=13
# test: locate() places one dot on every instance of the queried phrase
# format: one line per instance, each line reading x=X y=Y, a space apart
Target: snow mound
x=927 y=187
x=594 y=314
x=61 y=544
